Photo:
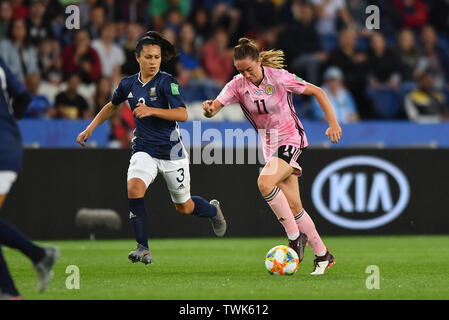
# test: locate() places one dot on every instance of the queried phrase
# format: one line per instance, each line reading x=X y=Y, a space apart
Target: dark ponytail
x=168 y=51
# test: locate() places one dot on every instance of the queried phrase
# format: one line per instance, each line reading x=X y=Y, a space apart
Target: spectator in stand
x=81 y=58
x=414 y=13
x=328 y=13
x=50 y=61
x=173 y=20
x=435 y=59
x=201 y=23
x=38 y=27
x=133 y=32
x=353 y=64
x=160 y=8
x=195 y=84
x=39 y=106
x=96 y=21
x=217 y=57
x=69 y=104
x=6 y=15
x=111 y=55
x=383 y=78
x=262 y=16
x=408 y=54
x=17 y=52
x=189 y=55
x=340 y=98
x=20 y=9
x=426 y=104
x=103 y=94
x=301 y=44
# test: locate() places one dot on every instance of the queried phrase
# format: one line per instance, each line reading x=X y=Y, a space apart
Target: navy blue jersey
x=158 y=137
x=10 y=140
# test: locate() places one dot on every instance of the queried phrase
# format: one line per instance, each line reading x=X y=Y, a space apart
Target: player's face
x=250 y=69
x=150 y=59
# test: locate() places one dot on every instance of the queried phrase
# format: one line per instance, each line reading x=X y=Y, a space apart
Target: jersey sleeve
x=120 y=93
x=291 y=82
x=12 y=82
x=228 y=94
x=172 y=93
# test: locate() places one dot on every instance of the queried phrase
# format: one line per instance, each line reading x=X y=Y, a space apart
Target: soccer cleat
x=141 y=254
x=321 y=264
x=218 y=222
x=299 y=244
x=44 y=267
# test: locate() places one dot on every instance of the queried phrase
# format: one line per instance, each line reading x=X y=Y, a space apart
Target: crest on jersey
x=269 y=89
x=153 y=92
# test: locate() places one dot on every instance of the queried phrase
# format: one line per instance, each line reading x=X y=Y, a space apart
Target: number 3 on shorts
x=181 y=178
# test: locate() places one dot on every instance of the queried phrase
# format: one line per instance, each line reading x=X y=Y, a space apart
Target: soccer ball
x=282 y=260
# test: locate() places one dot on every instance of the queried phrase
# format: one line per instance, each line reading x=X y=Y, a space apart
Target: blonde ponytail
x=273 y=59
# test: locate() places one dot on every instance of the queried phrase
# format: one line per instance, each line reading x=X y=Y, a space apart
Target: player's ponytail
x=247 y=48
x=168 y=51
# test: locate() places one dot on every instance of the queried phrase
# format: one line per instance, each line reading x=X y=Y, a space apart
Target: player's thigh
x=142 y=171
x=7 y=179
x=290 y=188
x=177 y=177
x=275 y=171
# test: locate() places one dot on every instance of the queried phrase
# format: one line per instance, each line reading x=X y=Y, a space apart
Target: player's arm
x=211 y=107
x=175 y=114
x=105 y=113
x=334 y=130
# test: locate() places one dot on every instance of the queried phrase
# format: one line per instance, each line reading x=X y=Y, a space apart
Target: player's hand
x=83 y=137
x=334 y=133
x=142 y=111
x=207 y=107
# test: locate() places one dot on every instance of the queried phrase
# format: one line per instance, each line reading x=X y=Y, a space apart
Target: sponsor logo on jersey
x=130 y=95
x=258 y=92
x=269 y=89
x=132 y=215
x=360 y=192
x=153 y=92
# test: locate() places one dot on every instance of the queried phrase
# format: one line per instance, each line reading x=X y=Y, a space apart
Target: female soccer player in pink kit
x=264 y=91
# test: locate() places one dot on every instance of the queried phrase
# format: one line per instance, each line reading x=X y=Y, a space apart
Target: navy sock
x=139 y=221
x=6 y=283
x=203 y=208
x=14 y=239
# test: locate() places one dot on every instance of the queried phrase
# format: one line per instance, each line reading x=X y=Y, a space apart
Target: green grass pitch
x=410 y=267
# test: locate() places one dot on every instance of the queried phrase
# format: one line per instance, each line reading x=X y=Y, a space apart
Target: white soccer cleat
x=321 y=264
x=218 y=222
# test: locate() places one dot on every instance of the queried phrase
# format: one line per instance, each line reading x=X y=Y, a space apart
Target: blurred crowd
x=399 y=71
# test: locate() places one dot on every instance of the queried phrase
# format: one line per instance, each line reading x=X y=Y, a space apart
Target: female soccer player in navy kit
x=10 y=163
x=157 y=105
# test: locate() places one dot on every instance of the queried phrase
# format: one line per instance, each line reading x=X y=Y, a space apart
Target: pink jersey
x=269 y=107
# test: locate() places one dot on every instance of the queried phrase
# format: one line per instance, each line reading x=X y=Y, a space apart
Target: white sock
x=322 y=253
x=293 y=236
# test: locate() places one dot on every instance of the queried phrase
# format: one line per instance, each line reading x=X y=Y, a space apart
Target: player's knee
x=265 y=185
x=136 y=190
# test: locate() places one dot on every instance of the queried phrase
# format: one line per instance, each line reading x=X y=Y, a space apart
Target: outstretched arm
x=105 y=113
x=334 y=130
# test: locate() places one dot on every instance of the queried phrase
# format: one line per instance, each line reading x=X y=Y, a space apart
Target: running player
x=157 y=105
x=10 y=163
x=264 y=91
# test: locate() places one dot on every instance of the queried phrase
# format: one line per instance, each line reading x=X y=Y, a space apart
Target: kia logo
x=360 y=187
